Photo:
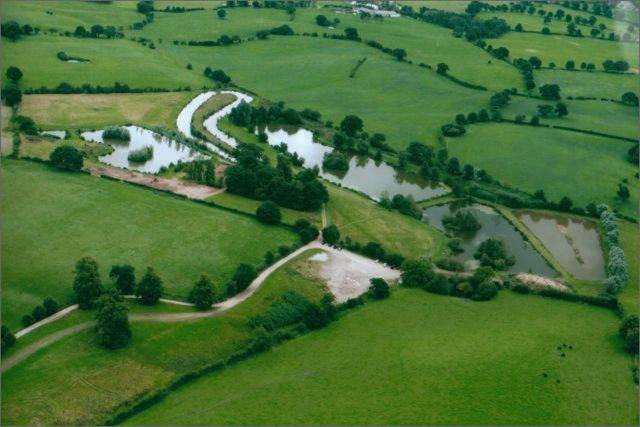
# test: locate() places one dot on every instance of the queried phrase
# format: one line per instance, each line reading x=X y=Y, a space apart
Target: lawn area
x=112 y=61
x=599 y=85
x=51 y=219
x=585 y=168
x=289 y=216
x=99 y=110
x=629 y=242
x=560 y=49
x=364 y=221
x=67 y=16
x=425 y=359
x=599 y=116
x=75 y=382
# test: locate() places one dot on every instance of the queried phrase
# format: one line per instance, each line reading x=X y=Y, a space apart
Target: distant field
x=114 y=223
x=630 y=243
x=560 y=49
x=67 y=16
x=419 y=358
x=96 y=111
x=584 y=167
x=112 y=61
x=364 y=221
x=598 y=85
x=76 y=382
x=599 y=116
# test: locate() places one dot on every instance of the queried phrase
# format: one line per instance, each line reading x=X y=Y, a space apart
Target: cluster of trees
x=145 y=7
x=180 y=9
x=67 y=157
x=526 y=68
x=294 y=308
x=462 y=24
x=550 y=92
x=352 y=138
x=246 y=115
x=610 y=66
x=492 y=253
x=218 y=76
x=201 y=171
x=11 y=93
x=25 y=124
x=374 y=250
x=97 y=31
x=223 y=40
x=323 y=21
x=546 y=110
x=66 y=88
x=62 y=56
x=48 y=307
x=406 y=205
x=632 y=154
x=617 y=268
x=462 y=221
x=420 y=274
x=252 y=176
x=116 y=132
x=335 y=160
x=13 y=31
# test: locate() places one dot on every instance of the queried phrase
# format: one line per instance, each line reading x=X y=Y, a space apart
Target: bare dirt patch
x=347 y=274
x=174 y=185
x=536 y=281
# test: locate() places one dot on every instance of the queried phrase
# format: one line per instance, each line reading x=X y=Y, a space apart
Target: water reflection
x=165 y=150
x=573 y=242
x=493 y=225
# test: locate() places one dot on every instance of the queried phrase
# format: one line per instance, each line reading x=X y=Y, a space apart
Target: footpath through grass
x=51 y=219
x=419 y=358
x=76 y=382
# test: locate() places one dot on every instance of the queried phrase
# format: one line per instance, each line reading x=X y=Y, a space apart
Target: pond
x=165 y=150
x=365 y=175
x=60 y=134
x=185 y=118
x=575 y=243
x=493 y=225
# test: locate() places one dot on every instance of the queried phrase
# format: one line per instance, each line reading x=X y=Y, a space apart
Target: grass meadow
x=114 y=223
x=599 y=85
x=437 y=360
x=585 y=168
x=76 y=382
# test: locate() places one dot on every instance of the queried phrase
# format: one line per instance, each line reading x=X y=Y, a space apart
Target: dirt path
x=188 y=189
x=217 y=310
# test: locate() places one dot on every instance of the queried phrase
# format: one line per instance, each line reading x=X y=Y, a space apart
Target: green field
x=114 y=223
x=437 y=360
x=551 y=157
x=364 y=220
x=629 y=243
x=560 y=49
x=599 y=85
x=75 y=382
x=598 y=116
x=97 y=111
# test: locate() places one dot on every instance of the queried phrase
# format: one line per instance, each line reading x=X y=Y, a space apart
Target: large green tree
x=149 y=289
x=87 y=285
x=112 y=323
x=202 y=295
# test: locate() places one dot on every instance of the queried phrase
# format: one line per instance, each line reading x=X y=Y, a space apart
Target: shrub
x=50 y=306
x=462 y=221
x=14 y=74
x=141 y=155
x=292 y=307
x=149 y=290
x=125 y=278
x=379 y=288
x=66 y=157
x=27 y=320
x=492 y=253
x=485 y=292
x=335 y=160
x=452 y=130
x=39 y=313
x=202 y=295
x=11 y=94
x=115 y=132
x=415 y=273
x=8 y=339
x=269 y=213
x=25 y=124
x=331 y=234
x=439 y=284
x=454 y=245
x=450 y=264
x=305 y=230
x=241 y=279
